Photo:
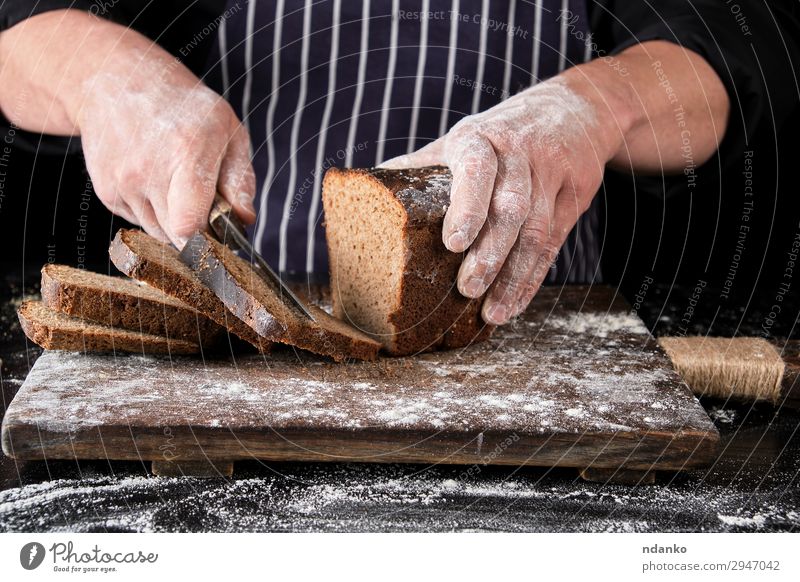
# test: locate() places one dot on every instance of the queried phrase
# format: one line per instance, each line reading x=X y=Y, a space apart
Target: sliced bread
x=259 y=304
x=56 y=331
x=147 y=259
x=391 y=275
x=123 y=303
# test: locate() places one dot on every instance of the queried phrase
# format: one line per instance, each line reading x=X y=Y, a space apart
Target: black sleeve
x=174 y=25
x=753 y=45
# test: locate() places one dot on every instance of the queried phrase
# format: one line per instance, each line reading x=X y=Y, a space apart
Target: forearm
x=47 y=62
x=664 y=106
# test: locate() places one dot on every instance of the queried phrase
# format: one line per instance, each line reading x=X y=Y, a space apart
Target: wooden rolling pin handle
x=747 y=369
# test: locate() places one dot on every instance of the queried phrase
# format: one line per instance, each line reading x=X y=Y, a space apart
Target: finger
x=237 y=181
x=508 y=210
x=150 y=204
x=154 y=210
x=473 y=162
x=145 y=215
x=149 y=221
x=429 y=155
x=117 y=206
x=566 y=215
x=191 y=193
x=518 y=272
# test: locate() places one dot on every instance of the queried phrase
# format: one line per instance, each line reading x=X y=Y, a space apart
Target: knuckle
x=128 y=175
x=511 y=205
x=186 y=221
x=534 y=234
x=470 y=219
x=185 y=141
x=249 y=181
x=463 y=126
x=512 y=287
x=526 y=296
x=548 y=256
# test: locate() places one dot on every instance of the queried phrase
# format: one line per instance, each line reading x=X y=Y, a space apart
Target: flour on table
x=375 y=498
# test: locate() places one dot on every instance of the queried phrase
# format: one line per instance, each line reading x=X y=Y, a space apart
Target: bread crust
x=122 y=303
x=146 y=259
x=56 y=331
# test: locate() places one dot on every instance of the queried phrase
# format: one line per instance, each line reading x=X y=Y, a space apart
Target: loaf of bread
x=147 y=259
x=56 y=331
x=391 y=275
x=123 y=303
x=260 y=305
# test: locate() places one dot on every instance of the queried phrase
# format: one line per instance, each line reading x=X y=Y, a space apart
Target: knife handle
x=220 y=211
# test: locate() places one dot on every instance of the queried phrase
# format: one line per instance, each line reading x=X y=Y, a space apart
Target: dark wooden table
x=752 y=487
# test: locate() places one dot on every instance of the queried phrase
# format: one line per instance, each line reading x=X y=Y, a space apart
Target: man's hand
x=158 y=143
x=525 y=170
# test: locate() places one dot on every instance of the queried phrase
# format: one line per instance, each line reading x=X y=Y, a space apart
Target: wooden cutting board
x=576 y=382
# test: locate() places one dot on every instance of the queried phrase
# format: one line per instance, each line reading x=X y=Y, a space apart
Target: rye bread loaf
x=56 y=331
x=391 y=275
x=259 y=304
x=147 y=259
x=123 y=303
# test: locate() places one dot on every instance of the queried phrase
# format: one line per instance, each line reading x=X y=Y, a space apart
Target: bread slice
x=391 y=275
x=259 y=304
x=56 y=331
x=147 y=259
x=123 y=303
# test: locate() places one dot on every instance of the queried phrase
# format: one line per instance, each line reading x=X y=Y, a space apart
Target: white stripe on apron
x=223 y=58
x=451 y=64
x=476 y=97
x=362 y=75
x=420 y=78
x=562 y=46
x=537 y=37
x=323 y=134
x=261 y=224
x=298 y=117
x=248 y=63
x=387 y=92
x=512 y=7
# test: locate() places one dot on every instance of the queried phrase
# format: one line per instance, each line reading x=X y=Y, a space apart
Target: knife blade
x=230 y=232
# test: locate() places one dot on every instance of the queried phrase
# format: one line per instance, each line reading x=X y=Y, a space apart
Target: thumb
x=429 y=155
x=237 y=181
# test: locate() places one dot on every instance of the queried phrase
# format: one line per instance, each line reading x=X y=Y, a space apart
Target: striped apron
x=332 y=83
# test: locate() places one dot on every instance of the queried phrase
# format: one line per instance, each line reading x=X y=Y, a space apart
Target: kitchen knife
x=230 y=232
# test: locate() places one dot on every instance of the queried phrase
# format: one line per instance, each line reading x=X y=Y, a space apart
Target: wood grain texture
x=576 y=382
x=208 y=469
x=790 y=387
x=619 y=476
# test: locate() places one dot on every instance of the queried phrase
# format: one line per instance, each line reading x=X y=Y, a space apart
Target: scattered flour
x=722 y=415
x=336 y=497
x=599 y=324
x=755 y=521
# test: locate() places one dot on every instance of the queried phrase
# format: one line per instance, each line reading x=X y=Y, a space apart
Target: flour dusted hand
x=523 y=172
x=159 y=143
